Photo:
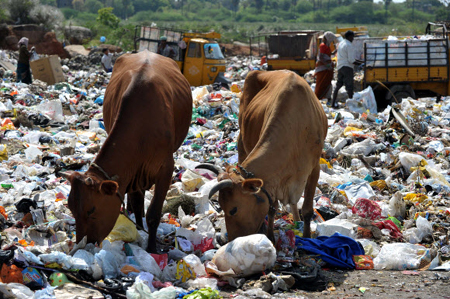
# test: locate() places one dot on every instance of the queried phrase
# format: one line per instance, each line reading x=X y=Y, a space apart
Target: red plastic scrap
x=388 y=224
x=367 y=208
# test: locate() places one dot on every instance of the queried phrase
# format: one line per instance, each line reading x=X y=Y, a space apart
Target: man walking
x=345 y=62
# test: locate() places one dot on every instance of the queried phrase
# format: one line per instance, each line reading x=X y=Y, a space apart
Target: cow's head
x=94 y=204
x=243 y=201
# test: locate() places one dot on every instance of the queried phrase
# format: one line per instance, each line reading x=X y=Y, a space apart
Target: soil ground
x=377 y=284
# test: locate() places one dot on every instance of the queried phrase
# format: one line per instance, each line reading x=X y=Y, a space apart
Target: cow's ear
x=109 y=187
x=252 y=185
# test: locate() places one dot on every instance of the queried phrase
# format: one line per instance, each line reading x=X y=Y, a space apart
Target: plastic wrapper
x=246 y=255
x=363 y=262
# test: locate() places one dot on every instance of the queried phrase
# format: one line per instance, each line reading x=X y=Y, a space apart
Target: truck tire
x=400 y=92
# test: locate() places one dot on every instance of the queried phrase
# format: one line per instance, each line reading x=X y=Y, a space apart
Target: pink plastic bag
x=367 y=208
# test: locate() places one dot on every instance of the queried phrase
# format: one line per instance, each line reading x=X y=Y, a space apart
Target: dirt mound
x=44 y=42
x=239 y=49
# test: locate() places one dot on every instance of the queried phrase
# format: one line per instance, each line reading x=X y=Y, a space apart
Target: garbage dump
x=382 y=201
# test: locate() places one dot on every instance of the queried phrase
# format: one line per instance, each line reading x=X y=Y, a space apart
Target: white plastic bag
x=146 y=261
x=401 y=256
x=246 y=255
x=364 y=147
x=409 y=160
x=363 y=101
x=20 y=291
x=196 y=264
x=397 y=206
x=52 y=109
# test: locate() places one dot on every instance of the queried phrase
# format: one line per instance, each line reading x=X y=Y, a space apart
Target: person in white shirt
x=164 y=49
x=345 y=62
x=107 y=61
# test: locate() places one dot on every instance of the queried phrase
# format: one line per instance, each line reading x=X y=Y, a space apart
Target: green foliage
x=107 y=18
x=19 y=10
x=93 y=6
x=48 y=2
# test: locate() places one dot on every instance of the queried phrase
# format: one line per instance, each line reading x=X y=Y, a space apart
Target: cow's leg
x=307 y=209
x=271 y=220
x=153 y=216
x=136 y=205
x=295 y=212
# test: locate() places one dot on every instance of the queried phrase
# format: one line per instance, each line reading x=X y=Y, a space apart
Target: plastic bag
x=409 y=160
x=367 y=208
x=364 y=147
x=124 y=230
x=355 y=191
x=20 y=291
x=416 y=235
x=192 y=181
x=397 y=206
x=401 y=256
x=146 y=261
x=52 y=109
x=108 y=263
x=196 y=264
x=370 y=248
x=139 y=290
x=246 y=255
x=363 y=101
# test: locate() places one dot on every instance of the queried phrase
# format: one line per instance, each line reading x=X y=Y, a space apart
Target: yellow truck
x=292 y=50
x=360 y=31
x=409 y=67
x=197 y=54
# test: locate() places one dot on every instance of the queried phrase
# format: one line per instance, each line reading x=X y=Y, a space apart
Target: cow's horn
x=210 y=167
x=88 y=181
x=221 y=185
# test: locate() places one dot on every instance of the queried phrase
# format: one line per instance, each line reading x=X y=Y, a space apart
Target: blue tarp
x=337 y=250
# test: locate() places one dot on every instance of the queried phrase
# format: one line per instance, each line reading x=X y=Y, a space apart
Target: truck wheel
x=402 y=94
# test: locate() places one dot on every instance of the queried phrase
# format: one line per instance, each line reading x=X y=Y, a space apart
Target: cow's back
x=149 y=88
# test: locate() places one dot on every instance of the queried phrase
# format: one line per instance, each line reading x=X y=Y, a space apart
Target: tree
x=259 y=5
x=235 y=6
x=19 y=10
x=93 y=6
x=386 y=5
x=78 y=4
x=48 y=2
x=106 y=17
x=47 y=15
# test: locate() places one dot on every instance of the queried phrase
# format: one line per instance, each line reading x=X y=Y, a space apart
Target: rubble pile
x=382 y=201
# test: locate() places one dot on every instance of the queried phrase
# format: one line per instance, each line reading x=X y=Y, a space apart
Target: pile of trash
x=382 y=201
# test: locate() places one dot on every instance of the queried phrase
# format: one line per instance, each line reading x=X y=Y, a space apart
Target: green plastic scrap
x=396 y=222
x=206 y=293
x=231 y=146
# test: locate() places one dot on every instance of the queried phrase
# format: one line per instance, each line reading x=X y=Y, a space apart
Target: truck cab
x=198 y=55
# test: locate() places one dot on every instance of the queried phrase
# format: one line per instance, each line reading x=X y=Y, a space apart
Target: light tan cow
x=282 y=132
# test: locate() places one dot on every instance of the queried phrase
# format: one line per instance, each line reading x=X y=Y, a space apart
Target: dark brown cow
x=147 y=111
x=282 y=132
